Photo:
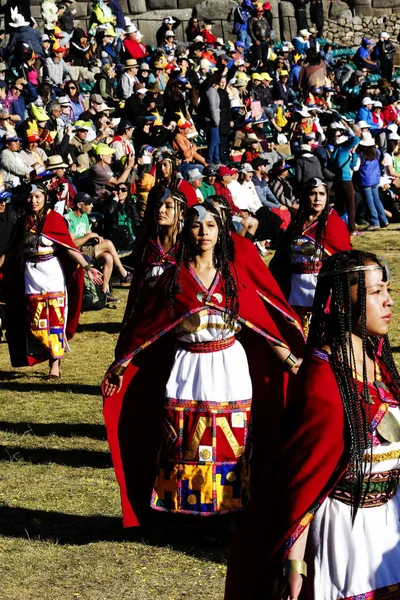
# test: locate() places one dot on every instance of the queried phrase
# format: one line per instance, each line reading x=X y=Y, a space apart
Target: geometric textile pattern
x=46 y=324
x=203 y=461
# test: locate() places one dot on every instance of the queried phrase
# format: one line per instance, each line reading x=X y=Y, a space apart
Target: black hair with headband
x=331 y=326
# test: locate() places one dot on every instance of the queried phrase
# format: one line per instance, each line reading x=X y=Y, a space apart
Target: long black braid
x=224 y=210
x=331 y=325
x=222 y=262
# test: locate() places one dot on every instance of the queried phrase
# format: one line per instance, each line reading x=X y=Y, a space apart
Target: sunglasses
x=122 y=189
x=72 y=87
x=18 y=89
x=3 y=201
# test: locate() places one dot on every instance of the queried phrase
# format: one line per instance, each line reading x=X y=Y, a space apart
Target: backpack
x=93 y=296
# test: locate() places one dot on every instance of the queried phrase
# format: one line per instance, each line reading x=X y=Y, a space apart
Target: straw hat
x=56 y=162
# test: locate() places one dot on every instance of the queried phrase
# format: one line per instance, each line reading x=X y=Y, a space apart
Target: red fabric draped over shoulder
x=307 y=463
x=133 y=417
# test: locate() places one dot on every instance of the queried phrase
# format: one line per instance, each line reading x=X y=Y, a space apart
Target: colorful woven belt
x=378 y=490
x=36 y=258
x=205 y=347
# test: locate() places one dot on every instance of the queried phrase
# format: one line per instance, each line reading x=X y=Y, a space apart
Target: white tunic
x=352 y=561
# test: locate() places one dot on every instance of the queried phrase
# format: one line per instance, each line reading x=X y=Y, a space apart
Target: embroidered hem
x=391 y=592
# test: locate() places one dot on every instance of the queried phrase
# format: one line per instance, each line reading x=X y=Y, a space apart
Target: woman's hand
x=112 y=384
x=294 y=370
x=95 y=276
x=292 y=587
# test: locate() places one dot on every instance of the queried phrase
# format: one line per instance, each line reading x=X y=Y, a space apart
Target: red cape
x=337 y=239
x=134 y=416
x=55 y=229
x=306 y=465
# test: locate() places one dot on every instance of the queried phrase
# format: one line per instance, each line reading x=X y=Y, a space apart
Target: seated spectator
x=55 y=69
x=121 y=218
x=133 y=48
x=62 y=186
x=195 y=178
x=13 y=168
x=122 y=142
x=186 y=148
x=281 y=188
x=101 y=251
x=102 y=176
x=32 y=155
x=207 y=185
x=77 y=106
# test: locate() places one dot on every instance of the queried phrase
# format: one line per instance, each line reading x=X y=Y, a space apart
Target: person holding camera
x=91 y=244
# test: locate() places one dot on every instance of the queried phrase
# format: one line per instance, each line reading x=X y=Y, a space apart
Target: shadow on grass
x=188 y=535
x=90 y=430
x=69 y=458
x=48 y=386
x=395 y=349
x=97 y=327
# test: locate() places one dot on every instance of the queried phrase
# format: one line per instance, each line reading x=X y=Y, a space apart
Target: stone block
x=368 y=11
x=357 y=21
x=137 y=6
x=187 y=3
x=36 y=12
x=393 y=4
x=149 y=22
x=338 y=8
x=215 y=9
x=162 y=4
x=362 y=2
x=286 y=9
x=82 y=9
x=276 y=28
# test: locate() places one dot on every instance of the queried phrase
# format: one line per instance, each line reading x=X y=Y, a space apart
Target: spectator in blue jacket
x=368 y=177
x=118 y=14
x=362 y=57
x=343 y=162
x=365 y=112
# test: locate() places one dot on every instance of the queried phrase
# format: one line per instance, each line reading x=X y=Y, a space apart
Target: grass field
x=61 y=534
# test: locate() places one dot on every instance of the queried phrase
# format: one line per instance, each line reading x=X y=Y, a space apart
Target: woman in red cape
x=323 y=522
x=134 y=415
x=49 y=291
x=157 y=243
x=315 y=234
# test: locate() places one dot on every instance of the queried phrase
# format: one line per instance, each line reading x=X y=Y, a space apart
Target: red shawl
x=337 y=239
x=134 y=416
x=307 y=464
x=55 y=229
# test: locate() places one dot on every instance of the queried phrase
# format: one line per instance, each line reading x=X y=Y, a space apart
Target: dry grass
x=59 y=503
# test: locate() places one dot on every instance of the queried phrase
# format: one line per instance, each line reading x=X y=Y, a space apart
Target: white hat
x=367 y=100
x=45 y=38
x=384 y=35
x=131 y=28
x=220 y=41
x=385 y=181
x=393 y=127
x=198 y=38
x=367 y=139
x=341 y=139
x=305 y=147
x=193 y=174
x=141 y=91
x=364 y=124
x=377 y=104
x=394 y=136
x=304 y=32
x=289 y=45
x=246 y=168
x=17 y=19
x=284 y=49
x=240 y=62
x=105 y=107
x=205 y=63
x=169 y=21
x=64 y=101
x=304 y=113
x=169 y=34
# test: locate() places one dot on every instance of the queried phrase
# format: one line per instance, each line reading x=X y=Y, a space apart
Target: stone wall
x=343 y=25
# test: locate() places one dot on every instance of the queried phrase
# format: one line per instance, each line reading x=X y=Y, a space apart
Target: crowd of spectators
x=95 y=112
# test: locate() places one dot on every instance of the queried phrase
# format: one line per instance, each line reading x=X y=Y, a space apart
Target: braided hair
x=34 y=220
x=222 y=206
x=222 y=259
x=331 y=325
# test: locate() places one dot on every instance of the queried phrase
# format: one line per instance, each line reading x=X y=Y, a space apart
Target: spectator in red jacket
x=132 y=45
x=208 y=36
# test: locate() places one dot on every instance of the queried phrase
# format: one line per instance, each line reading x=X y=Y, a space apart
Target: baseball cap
x=124 y=125
x=256 y=76
x=367 y=41
x=84 y=198
x=258 y=162
x=103 y=149
x=210 y=171
x=11 y=137
x=223 y=171
x=239 y=44
x=59 y=49
x=367 y=100
x=96 y=98
x=266 y=77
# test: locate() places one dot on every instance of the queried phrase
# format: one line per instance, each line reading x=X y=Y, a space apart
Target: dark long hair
x=33 y=220
x=296 y=227
x=222 y=262
x=331 y=325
